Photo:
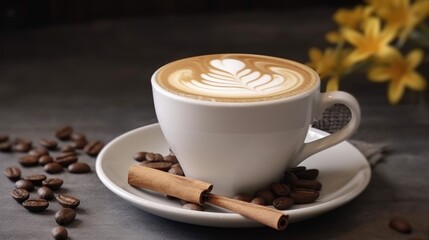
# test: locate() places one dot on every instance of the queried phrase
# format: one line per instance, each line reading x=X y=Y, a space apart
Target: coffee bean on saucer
x=59 y=233
x=53 y=183
x=308 y=184
x=192 y=206
x=39 y=152
x=65 y=216
x=45 y=193
x=5 y=146
x=243 y=197
x=93 y=148
x=35 y=204
x=13 y=173
x=48 y=143
x=79 y=167
x=20 y=194
x=289 y=178
x=45 y=159
x=163 y=166
x=400 y=224
x=294 y=170
x=176 y=171
x=282 y=203
x=22 y=145
x=29 y=160
x=302 y=196
x=24 y=184
x=258 y=201
x=154 y=157
x=64 y=133
x=65 y=159
x=3 y=137
x=140 y=156
x=267 y=195
x=36 y=179
x=53 y=168
x=308 y=174
x=68 y=201
x=280 y=189
x=171 y=158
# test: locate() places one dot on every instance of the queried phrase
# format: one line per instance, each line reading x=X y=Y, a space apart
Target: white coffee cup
x=239 y=139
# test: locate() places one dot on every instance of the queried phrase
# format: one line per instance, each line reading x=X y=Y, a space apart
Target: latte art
x=235 y=77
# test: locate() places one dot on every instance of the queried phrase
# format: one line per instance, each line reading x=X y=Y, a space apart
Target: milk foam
x=233 y=77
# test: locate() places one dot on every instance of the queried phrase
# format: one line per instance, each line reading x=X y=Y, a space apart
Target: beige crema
x=236 y=78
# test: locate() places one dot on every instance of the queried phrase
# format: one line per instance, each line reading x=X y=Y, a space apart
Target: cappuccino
x=236 y=78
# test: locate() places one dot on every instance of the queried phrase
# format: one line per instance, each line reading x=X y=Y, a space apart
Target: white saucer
x=344 y=173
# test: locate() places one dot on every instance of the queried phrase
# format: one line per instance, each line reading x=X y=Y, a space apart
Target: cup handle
x=325 y=100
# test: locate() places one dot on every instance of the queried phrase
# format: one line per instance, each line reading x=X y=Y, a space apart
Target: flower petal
x=356 y=56
x=315 y=54
x=416 y=81
x=395 y=91
x=379 y=74
x=414 y=58
x=333 y=37
x=372 y=27
x=333 y=84
x=352 y=36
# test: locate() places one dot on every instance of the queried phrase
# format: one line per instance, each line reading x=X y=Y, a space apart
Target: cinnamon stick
x=197 y=191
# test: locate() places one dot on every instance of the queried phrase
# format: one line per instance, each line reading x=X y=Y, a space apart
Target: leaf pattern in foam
x=233 y=74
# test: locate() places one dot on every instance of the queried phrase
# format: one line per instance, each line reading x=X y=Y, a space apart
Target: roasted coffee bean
x=48 y=143
x=243 y=197
x=13 y=173
x=35 y=204
x=45 y=193
x=304 y=196
x=171 y=158
x=78 y=136
x=176 y=171
x=309 y=174
x=22 y=145
x=163 y=166
x=68 y=201
x=38 y=152
x=308 y=184
x=79 y=167
x=64 y=133
x=5 y=146
x=140 y=156
x=67 y=154
x=79 y=144
x=154 y=157
x=280 y=189
x=20 y=194
x=192 y=206
x=267 y=195
x=258 y=201
x=29 y=160
x=68 y=148
x=289 y=178
x=401 y=225
x=45 y=159
x=3 y=137
x=297 y=169
x=53 y=168
x=66 y=159
x=65 y=216
x=59 y=233
x=24 y=184
x=53 y=183
x=282 y=203
x=93 y=148
x=36 y=179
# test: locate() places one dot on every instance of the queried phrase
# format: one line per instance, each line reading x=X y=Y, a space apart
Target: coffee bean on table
x=45 y=159
x=13 y=173
x=64 y=133
x=5 y=146
x=401 y=225
x=79 y=167
x=65 y=216
x=302 y=196
x=78 y=136
x=48 y=143
x=68 y=148
x=35 y=204
x=22 y=145
x=3 y=137
x=36 y=179
x=24 y=184
x=79 y=144
x=68 y=201
x=66 y=159
x=163 y=166
x=59 y=233
x=20 y=194
x=29 y=160
x=38 y=152
x=53 y=168
x=53 y=183
x=45 y=193
x=282 y=203
x=93 y=148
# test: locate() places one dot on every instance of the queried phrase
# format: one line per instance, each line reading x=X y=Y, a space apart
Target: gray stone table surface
x=96 y=78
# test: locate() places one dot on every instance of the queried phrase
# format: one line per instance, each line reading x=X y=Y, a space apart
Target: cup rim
x=157 y=87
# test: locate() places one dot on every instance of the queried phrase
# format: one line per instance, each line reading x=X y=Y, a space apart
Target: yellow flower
x=401 y=71
x=352 y=18
x=402 y=15
x=371 y=42
x=329 y=63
